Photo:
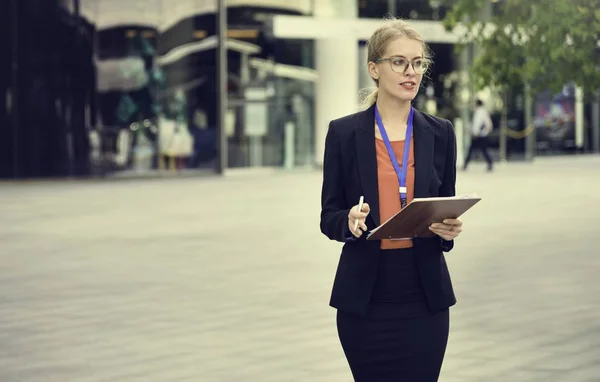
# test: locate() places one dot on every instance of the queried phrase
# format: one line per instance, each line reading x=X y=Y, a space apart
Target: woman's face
x=395 y=74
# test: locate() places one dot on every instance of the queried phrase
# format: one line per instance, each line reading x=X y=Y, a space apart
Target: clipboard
x=414 y=219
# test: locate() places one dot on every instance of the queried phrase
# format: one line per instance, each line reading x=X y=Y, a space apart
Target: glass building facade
x=128 y=87
x=113 y=88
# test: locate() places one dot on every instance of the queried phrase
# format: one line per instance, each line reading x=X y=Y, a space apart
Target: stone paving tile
x=228 y=279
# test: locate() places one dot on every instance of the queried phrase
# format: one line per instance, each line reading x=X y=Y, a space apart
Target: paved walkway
x=223 y=280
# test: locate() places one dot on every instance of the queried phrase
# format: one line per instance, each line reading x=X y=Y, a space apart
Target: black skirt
x=399 y=339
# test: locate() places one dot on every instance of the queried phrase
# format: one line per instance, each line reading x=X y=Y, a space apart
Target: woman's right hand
x=354 y=215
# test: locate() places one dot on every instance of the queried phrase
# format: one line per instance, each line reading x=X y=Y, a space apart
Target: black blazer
x=349 y=171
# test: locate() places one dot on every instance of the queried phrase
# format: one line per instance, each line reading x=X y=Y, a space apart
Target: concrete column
x=466 y=107
x=530 y=140
x=579 y=117
x=336 y=62
x=459 y=131
x=596 y=123
x=364 y=78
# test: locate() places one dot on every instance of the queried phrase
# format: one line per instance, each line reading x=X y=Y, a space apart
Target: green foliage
x=545 y=43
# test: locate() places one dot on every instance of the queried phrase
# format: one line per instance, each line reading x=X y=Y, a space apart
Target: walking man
x=481 y=127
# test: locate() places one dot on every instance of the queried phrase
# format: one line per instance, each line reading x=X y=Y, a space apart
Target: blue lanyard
x=401 y=173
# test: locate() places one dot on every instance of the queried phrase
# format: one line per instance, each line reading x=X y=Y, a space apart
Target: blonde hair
x=378 y=43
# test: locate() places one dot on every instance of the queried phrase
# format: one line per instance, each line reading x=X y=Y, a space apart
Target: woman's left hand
x=448 y=230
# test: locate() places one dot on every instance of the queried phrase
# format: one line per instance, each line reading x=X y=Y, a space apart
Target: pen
x=360 y=206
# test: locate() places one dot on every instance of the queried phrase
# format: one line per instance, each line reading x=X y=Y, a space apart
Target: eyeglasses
x=400 y=64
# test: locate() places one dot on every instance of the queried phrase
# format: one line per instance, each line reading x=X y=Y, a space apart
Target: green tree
x=541 y=43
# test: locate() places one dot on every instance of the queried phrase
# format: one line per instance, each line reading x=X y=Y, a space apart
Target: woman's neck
x=392 y=110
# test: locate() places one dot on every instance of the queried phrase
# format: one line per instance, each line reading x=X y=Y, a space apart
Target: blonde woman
x=392 y=297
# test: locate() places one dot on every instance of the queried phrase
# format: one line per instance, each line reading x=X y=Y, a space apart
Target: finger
x=446 y=234
x=366 y=208
x=362 y=225
x=443 y=232
x=357 y=215
x=446 y=227
x=436 y=231
x=440 y=226
x=453 y=221
x=358 y=233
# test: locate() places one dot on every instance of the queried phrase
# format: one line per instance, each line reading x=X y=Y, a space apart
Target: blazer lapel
x=423 y=146
x=366 y=158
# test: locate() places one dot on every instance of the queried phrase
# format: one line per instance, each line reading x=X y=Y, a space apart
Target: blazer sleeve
x=334 y=212
x=448 y=187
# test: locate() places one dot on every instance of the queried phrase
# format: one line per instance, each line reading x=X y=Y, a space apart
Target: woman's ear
x=373 y=70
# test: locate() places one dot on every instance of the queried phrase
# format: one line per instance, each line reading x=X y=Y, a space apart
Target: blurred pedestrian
x=481 y=127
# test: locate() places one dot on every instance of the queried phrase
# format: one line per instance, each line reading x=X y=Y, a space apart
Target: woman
x=392 y=297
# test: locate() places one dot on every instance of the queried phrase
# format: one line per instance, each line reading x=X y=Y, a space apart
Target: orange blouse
x=387 y=180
